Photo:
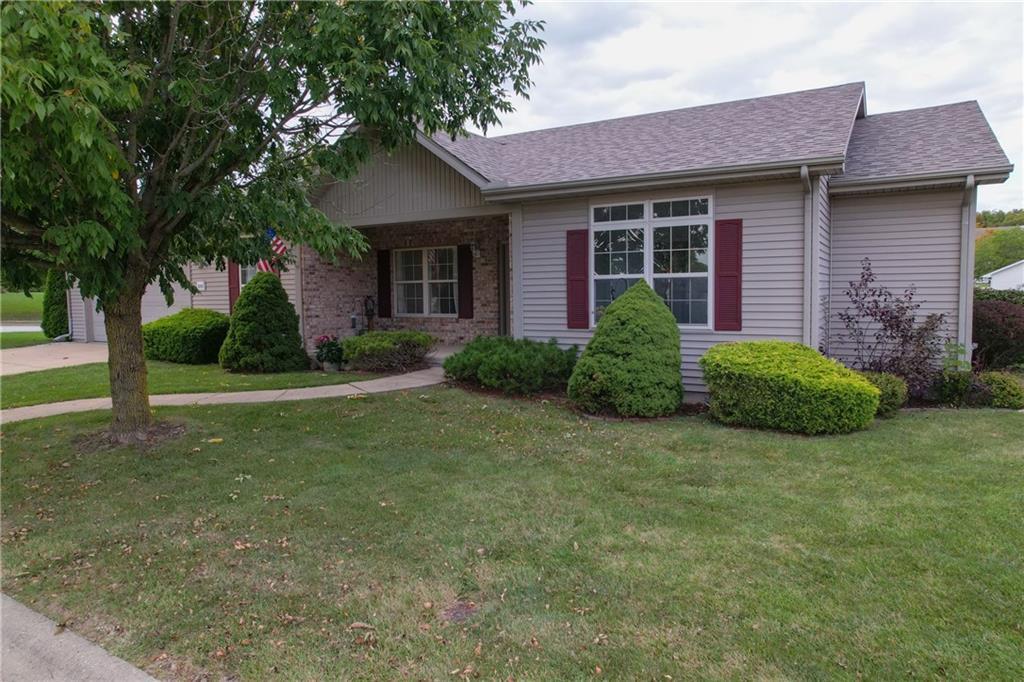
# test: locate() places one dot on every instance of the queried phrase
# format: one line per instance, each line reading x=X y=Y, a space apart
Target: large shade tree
x=141 y=136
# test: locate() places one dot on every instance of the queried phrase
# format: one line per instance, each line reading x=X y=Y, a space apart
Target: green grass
x=17 y=307
x=672 y=547
x=19 y=339
x=92 y=381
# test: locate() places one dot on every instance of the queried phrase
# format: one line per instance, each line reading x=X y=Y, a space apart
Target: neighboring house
x=748 y=217
x=1007 y=277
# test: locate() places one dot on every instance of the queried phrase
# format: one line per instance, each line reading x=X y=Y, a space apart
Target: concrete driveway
x=50 y=356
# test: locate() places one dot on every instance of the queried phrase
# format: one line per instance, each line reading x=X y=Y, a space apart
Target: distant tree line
x=998 y=248
x=997 y=218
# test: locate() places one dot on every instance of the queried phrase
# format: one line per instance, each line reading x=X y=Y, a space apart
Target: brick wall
x=332 y=293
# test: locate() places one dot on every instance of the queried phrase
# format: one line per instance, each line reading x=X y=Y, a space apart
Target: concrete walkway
x=50 y=356
x=399 y=382
x=31 y=649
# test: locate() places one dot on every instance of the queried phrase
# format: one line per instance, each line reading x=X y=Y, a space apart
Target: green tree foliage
x=264 y=331
x=631 y=366
x=55 y=305
x=997 y=218
x=1000 y=248
x=139 y=137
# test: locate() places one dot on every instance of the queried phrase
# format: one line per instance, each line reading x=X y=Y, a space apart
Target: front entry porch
x=449 y=278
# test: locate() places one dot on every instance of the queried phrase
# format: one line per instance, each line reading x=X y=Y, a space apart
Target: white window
x=246 y=273
x=426 y=281
x=667 y=243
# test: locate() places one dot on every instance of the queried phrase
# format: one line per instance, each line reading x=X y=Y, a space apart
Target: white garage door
x=154 y=306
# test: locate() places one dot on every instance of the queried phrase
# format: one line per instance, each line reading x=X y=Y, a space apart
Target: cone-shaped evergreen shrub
x=632 y=364
x=55 y=305
x=264 y=332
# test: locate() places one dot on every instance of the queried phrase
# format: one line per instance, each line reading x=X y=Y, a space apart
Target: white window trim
x=426 y=281
x=241 y=274
x=648 y=224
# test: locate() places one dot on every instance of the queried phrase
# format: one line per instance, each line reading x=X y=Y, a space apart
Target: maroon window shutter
x=728 y=275
x=384 y=283
x=464 y=257
x=234 y=277
x=577 y=279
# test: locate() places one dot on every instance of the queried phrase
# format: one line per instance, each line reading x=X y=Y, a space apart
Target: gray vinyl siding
x=76 y=319
x=824 y=237
x=411 y=181
x=773 y=229
x=912 y=239
x=215 y=296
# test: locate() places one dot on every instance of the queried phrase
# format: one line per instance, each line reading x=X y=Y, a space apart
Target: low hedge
x=384 y=351
x=1015 y=296
x=192 y=336
x=786 y=386
x=515 y=366
x=998 y=333
x=1005 y=390
x=631 y=366
x=893 y=391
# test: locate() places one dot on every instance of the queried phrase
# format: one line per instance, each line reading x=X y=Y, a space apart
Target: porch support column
x=515 y=252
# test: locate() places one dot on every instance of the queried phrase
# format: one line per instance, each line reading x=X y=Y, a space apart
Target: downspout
x=805 y=178
x=965 y=311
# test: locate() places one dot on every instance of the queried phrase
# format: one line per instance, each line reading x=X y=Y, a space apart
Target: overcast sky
x=605 y=60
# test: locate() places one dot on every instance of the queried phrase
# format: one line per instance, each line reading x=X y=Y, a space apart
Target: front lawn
x=440 y=534
x=20 y=339
x=17 y=307
x=92 y=381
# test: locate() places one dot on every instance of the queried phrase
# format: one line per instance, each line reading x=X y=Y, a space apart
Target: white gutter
x=965 y=310
x=627 y=182
x=805 y=179
x=839 y=185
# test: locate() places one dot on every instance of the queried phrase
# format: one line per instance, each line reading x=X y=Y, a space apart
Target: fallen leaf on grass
x=361 y=626
x=215 y=440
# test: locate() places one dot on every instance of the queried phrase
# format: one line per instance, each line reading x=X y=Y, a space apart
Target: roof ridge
x=498 y=138
x=928 y=108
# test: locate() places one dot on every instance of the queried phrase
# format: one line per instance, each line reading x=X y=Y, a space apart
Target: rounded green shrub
x=1005 y=389
x=786 y=386
x=893 y=391
x=632 y=364
x=953 y=387
x=192 y=336
x=515 y=366
x=388 y=351
x=264 y=332
x=55 y=304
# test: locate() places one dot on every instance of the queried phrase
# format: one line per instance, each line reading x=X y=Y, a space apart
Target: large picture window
x=426 y=281
x=667 y=243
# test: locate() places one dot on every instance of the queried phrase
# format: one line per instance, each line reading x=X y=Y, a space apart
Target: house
x=1007 y=277
x=748 y=217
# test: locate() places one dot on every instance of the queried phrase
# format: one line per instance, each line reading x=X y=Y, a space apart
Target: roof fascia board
x=604 y=185
x=460 y=166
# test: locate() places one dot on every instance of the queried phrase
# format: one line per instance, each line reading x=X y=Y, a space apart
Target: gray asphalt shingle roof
x=788 y=128
x=942 y=139
x=812 y=124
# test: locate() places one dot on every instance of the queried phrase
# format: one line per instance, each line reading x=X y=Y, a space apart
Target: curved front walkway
x=399 y=382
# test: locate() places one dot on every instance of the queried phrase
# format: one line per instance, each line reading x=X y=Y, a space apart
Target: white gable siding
x=773 y=229
x=409 y=182
x=912 y=239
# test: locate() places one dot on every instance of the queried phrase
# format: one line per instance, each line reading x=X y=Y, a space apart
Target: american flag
x=279 y=249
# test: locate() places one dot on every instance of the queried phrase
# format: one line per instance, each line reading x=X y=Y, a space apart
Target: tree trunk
x=129 y=391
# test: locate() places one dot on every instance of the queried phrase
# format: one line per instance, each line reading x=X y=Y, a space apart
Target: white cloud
x=615 y=59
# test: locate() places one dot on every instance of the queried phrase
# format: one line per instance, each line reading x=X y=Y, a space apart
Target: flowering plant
x=328 y=349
